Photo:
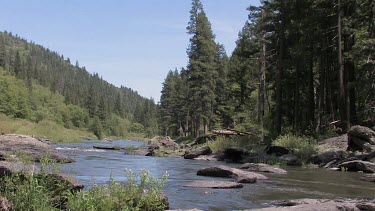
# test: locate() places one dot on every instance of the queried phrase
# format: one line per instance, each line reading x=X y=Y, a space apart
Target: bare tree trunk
x=311 y=101
x=296 y=97
x=262 y=83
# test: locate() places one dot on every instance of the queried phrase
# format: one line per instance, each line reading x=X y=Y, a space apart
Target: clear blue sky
x=133 y=43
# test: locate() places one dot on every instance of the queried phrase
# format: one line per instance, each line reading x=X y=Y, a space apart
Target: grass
x=44 y=129
x=303 y=147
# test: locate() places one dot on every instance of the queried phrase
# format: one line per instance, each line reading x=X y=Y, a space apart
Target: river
x=97 y=166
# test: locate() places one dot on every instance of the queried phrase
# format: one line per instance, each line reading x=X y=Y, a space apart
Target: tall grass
x=303 y=147
x=44 y=129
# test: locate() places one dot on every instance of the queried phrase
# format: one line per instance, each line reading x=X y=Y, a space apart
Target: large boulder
x=214 y=184
x=197 y=152
x=277 y=150
x=261 y=167
x=329 y=156
x=339 y=143
x=224 y=171
x=358 y=165
x=291 y=160
x=364 y=133
x=235 y=154
x=19 y=147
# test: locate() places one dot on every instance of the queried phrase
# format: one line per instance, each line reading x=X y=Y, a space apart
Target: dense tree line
x=102 y=105
x=299 y=66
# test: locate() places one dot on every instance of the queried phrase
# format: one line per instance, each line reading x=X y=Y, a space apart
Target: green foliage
x=137 y=128
x=303 y=147
x=97 y=128
x=147 y=195
x=223 y=142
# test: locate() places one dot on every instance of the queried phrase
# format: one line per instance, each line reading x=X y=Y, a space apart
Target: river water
x=97 y=166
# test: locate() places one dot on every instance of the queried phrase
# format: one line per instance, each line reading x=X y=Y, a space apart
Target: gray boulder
x=358 y=165
x=214 y=184
x=291 y=160
x=261 y=167
x=19 y=147
x=197 y=152
x=364 y=133
x=223 y=171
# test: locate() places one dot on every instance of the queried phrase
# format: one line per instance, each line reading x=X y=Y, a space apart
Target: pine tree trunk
x=343 y=101
x=280 y=70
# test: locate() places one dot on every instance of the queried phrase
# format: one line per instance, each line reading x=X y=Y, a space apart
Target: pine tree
x=201 y=67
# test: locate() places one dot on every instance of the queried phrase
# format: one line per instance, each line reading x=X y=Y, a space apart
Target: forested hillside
x=39 y=84
x=299 y=66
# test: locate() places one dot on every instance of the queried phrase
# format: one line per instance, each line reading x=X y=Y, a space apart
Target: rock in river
x=214 y=184
x=224 y=171
x=261 y=167
x=321 y=204
x=358 y=165
x=33 y=149
x=197 y=152
x=368 y=178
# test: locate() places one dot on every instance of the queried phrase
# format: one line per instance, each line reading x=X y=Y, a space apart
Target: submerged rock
x=214 y=184
x=223 y=171
x=17 y=147
x=261 y=167
x=197 y=152
x=368 y=178
x=358 y=165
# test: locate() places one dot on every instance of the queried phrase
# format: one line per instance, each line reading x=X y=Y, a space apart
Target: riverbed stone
x=214 y=184
x=358 y=165
x=228 y=172
x=368 y=178
x=207 y=158
x=321 y=204
x=205 y=150
x=261 y=167
x=21 y=147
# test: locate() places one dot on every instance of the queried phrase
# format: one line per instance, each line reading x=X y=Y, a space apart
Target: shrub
x=147 y=195
x=223 y=142
x=303 y=147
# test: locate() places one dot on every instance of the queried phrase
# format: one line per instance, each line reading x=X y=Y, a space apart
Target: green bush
x=147 y=195
x=222 y=142
x=303 y=147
